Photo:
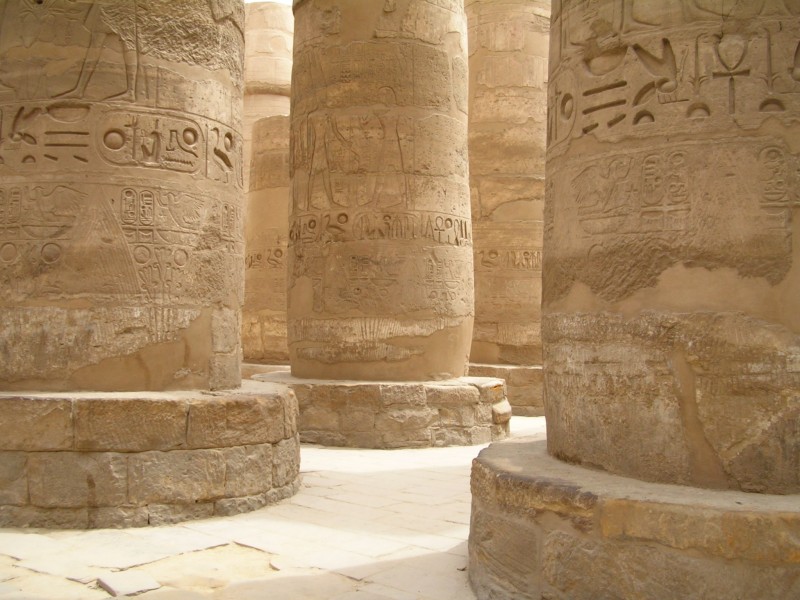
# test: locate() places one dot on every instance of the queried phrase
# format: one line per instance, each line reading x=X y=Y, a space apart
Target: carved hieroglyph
x=380 y=261
x=671 y=286
x=508 y=42
x=267 y=237
x=121 y=246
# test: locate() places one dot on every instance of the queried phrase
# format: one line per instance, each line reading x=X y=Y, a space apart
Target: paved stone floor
x=366 y=525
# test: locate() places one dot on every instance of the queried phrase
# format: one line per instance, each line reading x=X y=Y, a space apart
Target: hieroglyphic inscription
x=66 y=135
x=342 y=226
x=509 y=260
x=616 y=76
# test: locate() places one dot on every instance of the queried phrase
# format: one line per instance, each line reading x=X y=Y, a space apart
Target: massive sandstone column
x=507 y=134
x=380 y=283
x=268 y=34
x=380 y=260
x=268 y=70
x=670 y=314
x=121 y=269
x=267 y=240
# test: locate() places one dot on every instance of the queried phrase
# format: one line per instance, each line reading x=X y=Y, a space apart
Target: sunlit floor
x=366 y=525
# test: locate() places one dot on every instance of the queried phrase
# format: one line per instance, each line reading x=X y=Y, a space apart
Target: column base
x=250 y=370
x=542 y=528
x=524 y=385
x=129 y=459
x=392 y=414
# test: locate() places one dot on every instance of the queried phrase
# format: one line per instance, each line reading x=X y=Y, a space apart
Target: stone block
x=542 y=528
x=248 y=470
x=443 y=437
x=504 y=556
x=236 y=420
x=179 y=476
x=13 y=478
x=356 y=396
x=480 y=435
x=291 y=415
x=501 y=412
x=127 y=583
x=224 y=331
x=586 y=569
x=114 y=517
x=35 y=423
x=393 y=395
x=235 y=506
x=357 y=420
x=451 y=395
x=321 y=417
x=130 y=424
x=285 y=462
x=410 y=419
x=492 y=390
x=528 y=375
x=281 y=493
x=224 y=371
x=169 y=514
x=77 y=479
x=45 y=518
x=457 y=416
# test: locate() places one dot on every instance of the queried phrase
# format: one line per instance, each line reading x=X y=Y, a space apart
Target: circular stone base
x=524 y=385
x=542 y=528
x=391 y=414
x=129 y=459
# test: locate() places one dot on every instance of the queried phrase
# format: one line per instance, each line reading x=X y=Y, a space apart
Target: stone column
x=670 y=314
x=268 y=70
x=269 y=30
x=267 y=240
x=507 y=134
x=121 y=267
x=380 y=262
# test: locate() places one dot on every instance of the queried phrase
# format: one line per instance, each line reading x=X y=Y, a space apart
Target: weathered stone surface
x=671 y=274
x=464 y=411
x=542 y=528
x=380 y=259
x=120 y=194
x=242 y=447
x=13 y=478
x=286 y=462
x=267 y=239
x=127 y=583
x=248 y=470
x=168 y=514
x=178 y=476
x=507 y=130
x=77 y=479
x=130 y=424
x=236 y=420
x=35 y=423
x=524 y=385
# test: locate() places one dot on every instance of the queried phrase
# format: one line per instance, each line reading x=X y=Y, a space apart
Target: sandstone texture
x=392 y=414
x=508 y=46
x=86 y=460
x=121 y=242
x=671 y=286
x=542 y=528
x=268 y=34
x=524 y=385
x=380 y=260
x=267 y=240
